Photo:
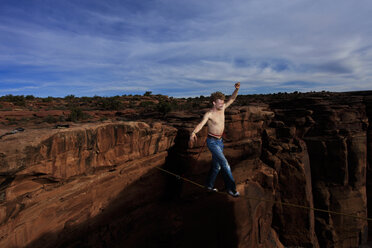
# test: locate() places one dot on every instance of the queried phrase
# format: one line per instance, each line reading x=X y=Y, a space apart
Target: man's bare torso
x=216 y=121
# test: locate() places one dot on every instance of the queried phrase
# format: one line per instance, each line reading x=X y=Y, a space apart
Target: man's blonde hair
x=217 y=95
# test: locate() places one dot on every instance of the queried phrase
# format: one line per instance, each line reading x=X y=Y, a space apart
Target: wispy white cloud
x=182 y=48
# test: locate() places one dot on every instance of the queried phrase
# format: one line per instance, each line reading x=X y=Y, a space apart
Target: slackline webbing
x=261 y=199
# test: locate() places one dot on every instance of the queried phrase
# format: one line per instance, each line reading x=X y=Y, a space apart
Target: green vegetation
x=109 y=103
x=128 y=107
x=12 y=121
x=147 y=93
x=70 y=98
x=86 y=99
x=30 y=97
x=165 y=107
x=50 y=119
x=77 y=114
x=48 y=99
x=147 y=104
x=17 y=100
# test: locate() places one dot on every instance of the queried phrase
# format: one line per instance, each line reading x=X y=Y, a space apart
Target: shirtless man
x=215 y=118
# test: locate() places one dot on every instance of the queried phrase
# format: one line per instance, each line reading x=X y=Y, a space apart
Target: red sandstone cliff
x=56 y=179
x=96 y=185
x=335 y=132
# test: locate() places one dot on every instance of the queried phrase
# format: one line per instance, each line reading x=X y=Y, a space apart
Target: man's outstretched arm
x=234 y=95
x=193 y=137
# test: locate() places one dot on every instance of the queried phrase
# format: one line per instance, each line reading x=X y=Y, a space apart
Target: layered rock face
x=54 y=180
x=97 y=185
x=318 y=148
x=251 y=214
x=335 y=132
x=368 y=102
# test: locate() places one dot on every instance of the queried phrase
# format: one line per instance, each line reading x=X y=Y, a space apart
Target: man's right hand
x=193 y=139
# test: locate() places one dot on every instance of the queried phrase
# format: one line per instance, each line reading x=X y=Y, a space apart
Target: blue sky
x=183 y=48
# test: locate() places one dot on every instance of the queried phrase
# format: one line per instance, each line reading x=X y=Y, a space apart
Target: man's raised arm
x=234 y=95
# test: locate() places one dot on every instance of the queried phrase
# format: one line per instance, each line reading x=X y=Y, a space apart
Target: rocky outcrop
x=54 y=180
x=368 y=103
x=82 y=148
x=268 y=146
x=318 y=147
x=335 y=132
x=244 y=126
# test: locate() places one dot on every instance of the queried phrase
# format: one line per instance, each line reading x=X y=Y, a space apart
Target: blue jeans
x=219 y=162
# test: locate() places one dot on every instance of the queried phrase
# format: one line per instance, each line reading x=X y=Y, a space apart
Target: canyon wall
x=335 y=130
x=97 y=185
x=54 y=180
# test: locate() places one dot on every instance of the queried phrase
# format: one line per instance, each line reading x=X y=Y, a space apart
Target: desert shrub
x=47 y=99
x=132 y=104
x=10 y=98
x=148 y=93
x=146 y=104
x=24 y=119
x=164 y=107
x=109 y=103
x=137 y=98
x=86 y=99
x=69 y=97
x=61 y=118
x=17 y=100
x=11 y=121
x=59 y=107
x=30 y=97
x=50 y=119
x=77 y=114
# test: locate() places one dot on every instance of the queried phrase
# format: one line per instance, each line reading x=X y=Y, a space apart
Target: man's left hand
x=237 y=85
